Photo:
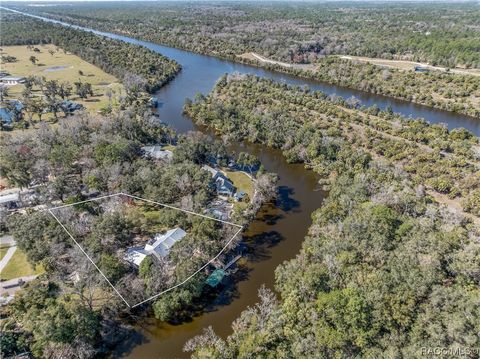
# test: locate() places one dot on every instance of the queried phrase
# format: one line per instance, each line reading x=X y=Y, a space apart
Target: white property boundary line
x=149 y=201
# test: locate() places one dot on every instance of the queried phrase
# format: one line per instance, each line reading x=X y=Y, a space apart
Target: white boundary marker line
x=191 y=276
x=90 y=259
x=180 y=209
x=149 y=201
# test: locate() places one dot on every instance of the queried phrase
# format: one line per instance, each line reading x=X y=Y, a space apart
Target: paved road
x=11 y=286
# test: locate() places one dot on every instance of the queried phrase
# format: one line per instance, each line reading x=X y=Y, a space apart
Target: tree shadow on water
x=213 y=299
x=258 y=245
x=127 y=340
x=284 y=200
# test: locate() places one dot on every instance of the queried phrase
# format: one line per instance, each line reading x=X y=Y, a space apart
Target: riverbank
x=211 y=68
x=376 y=218
x=279 y=230
x=451 y=92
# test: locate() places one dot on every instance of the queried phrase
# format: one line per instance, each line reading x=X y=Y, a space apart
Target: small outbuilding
x=215 y=278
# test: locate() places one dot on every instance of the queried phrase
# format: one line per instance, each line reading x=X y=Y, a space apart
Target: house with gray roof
x=158 y=246
x=223 y=185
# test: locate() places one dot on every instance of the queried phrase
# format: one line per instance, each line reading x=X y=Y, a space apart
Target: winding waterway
x=277 y=233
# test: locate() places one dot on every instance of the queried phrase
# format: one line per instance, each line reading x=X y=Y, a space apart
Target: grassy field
x=3 y=251
x=18 y=266
x=241 y=181
x=63 y=67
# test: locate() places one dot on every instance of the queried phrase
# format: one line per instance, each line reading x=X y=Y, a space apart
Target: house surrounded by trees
x=223 y=185
x=159 y=246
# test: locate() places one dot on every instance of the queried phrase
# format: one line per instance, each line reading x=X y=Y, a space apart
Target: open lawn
x=3 y=251
x=18 y=266
x=60 y=66
x=241 y=181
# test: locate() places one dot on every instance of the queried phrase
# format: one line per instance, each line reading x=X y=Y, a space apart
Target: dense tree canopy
x=383 y=265
x=439 y=33
x=315 y=34
x=311 y=128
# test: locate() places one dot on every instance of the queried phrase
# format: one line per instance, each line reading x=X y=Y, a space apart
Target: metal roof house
x=223 y=185
x=159 y=246
x=11 y=80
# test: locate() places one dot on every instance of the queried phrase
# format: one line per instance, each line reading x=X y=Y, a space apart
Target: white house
x=159 y=246
x=11 y=81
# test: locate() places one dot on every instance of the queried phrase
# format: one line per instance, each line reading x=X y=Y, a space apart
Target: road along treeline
x=311 y=37
x=447 y=91
x=296 y=32
x=129 y=63
x=385 y=270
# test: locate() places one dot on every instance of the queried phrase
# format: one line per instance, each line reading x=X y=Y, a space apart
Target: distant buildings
x=223 y=185
x=159 y=246
x=11 y=80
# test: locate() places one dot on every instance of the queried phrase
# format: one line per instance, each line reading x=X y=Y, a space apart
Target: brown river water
x=279 y=229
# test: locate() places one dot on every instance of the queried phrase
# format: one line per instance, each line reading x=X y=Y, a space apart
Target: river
x=277 y=233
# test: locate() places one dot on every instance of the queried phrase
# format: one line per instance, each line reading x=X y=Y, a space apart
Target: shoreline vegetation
x=390 y=262
x=446 y=162
x=70 y=308
x=383 y=265
x=443 y=90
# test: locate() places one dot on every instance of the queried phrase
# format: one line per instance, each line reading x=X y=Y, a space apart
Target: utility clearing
x=410 y=65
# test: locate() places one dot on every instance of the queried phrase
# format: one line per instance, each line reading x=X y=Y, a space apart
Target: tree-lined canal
x=277 y=233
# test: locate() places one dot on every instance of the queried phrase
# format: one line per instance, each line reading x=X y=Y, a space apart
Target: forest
x=385 y=269
x=446 y=91
x=314 y=34
x=125 y=61
x=440 y=33
x=311 y=127
x=70 y=308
